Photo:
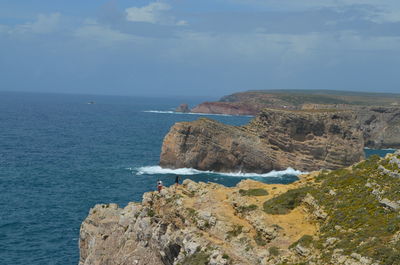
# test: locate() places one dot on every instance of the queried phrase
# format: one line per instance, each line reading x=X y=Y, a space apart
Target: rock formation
x=274 y=140
x=378 y=113
x=381 y=126
x=183 y=108
x=226 y=108
x=345 y=217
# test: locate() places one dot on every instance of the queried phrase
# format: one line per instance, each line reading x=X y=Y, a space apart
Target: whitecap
x=150 y=170
x=192 y=113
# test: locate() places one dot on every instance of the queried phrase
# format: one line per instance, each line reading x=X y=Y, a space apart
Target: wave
x=151 y=170
x=384 y=149
x=192 y=113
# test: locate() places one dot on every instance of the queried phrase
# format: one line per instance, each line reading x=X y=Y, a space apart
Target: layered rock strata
x=274 y=140
x=226 y=108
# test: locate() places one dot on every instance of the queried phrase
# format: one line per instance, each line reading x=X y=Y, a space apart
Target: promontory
x=274 y=140
x=348 y=216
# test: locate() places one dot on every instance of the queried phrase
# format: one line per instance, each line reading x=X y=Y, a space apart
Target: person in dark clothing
x=159 y=186
x=177 y=178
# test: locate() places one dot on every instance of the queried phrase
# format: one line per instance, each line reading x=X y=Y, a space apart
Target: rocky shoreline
x=344 y=216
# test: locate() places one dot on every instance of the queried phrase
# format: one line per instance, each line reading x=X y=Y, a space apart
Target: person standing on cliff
x=159 y=186
x=177 y=178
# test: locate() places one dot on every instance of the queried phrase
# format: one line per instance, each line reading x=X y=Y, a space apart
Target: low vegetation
x=286 y=202
x=236 y=230
x=199 y=258
x=304 y=241
x=274 y=251
x=246 y=208
x=259 y=239
x=253 y=192
x=358 y=221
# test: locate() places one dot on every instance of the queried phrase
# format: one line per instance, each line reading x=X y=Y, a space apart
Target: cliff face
x=381 y=126
x=378 y=113
x=226 y=108
x=348 y=216
x=274 y=140
x=196 y=223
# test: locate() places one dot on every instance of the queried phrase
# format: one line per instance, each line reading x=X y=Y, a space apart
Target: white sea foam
x=150 y=170
x=191 y=113
x=384 y=149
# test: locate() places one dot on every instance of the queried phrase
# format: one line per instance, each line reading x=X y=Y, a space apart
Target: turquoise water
x=59 y=156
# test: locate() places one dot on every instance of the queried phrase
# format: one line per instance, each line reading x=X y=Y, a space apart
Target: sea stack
x=183 y=108
x=274 y=140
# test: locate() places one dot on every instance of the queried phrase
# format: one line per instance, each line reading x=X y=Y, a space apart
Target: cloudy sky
x=192 y=47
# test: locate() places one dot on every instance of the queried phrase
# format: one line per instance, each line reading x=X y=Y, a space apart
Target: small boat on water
x=91 y=102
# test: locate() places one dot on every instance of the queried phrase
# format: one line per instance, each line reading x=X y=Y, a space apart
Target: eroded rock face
x=324 y=218
x=188 y=224
x=274 y=140
x=381 y=126
x=183 y=108
x=226 y=108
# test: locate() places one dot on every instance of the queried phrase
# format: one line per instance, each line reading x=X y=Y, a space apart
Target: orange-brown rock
x=229 y=108
x=274 y=140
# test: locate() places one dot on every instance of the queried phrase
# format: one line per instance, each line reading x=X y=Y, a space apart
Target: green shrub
x=274 y=251
x=253 y=192
x=305 y=241
x=247 y=208
x=199 y=258
x=150 y=212
x=259 y=239
x=236 y=230
x=286 y=202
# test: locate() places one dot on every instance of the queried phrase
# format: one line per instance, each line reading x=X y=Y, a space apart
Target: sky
x=198 y=48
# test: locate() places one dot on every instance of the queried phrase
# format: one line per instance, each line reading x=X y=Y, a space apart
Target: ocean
x=59 y=156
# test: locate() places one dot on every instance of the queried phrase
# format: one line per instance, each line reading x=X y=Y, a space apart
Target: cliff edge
x=274 y=140
x=346 y=216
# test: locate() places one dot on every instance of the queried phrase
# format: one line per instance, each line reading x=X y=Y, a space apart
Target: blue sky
x=205 y=48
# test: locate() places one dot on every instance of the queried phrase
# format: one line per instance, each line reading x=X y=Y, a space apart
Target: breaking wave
x=191 y=113
x=152 y=170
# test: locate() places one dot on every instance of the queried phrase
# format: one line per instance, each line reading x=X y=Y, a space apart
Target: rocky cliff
x=381 y=126
x=226 y=108
x=348 y=216
x=254 y=101
x=274 y=140
x=379 y=113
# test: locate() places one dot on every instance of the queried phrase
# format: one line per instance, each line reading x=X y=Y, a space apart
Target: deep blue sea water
x=59 y=156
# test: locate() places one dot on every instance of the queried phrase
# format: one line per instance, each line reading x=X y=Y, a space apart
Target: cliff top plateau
x=347 y=216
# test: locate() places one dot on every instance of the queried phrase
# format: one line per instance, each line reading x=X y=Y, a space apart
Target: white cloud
x=96 y=32
x=154 y=13
x=151 y=13
x=385 y=11
x=43 y=25
x=99 y=34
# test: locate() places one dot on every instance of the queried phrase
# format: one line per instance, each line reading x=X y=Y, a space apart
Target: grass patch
x=236 y=230
x=199 y=258
x=305 y=241
x=286 y=202
x=260 y=240
x=274 y=251
x=247 y=208
x=253 y=192
x=151 y=213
